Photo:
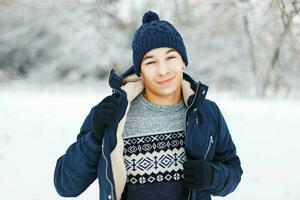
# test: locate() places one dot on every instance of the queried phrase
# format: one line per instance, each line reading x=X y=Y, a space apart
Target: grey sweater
x=154 y=150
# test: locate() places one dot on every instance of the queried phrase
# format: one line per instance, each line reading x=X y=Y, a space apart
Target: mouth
x=166 y=81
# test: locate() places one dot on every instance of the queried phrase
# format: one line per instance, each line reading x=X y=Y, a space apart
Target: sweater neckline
x=154 y=106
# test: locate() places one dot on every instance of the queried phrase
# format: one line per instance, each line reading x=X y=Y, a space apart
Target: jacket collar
x=193 y=92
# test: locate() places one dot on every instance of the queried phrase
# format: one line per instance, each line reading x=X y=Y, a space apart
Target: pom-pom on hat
x=155 y=33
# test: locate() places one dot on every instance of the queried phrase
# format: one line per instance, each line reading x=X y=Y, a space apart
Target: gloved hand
x=105 y=115
x=198 y=174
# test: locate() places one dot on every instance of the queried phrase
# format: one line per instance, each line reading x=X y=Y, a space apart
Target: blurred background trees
x=246 y=46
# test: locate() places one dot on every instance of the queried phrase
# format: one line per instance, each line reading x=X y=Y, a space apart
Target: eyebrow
x=151 y=56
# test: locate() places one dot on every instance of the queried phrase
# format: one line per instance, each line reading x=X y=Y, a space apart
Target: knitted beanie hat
x=155 y=33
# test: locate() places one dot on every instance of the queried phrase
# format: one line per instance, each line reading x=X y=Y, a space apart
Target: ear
x=141 y=75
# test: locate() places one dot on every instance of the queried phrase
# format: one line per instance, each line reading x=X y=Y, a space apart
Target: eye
x=150 y=63
x=171 y=57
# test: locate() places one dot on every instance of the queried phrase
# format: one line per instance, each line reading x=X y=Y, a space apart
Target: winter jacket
x=206 y=137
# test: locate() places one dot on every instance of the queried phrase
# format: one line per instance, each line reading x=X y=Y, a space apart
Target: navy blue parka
x=207 y=137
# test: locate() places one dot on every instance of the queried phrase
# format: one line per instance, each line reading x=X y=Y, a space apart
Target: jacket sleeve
x=77 y=168
x=226 y=164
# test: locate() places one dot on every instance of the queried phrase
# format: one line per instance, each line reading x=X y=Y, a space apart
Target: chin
x=167 y=91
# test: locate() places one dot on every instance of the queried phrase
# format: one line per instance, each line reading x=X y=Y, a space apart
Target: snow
x=38 y=125
x=61 y=48
x=230 y=44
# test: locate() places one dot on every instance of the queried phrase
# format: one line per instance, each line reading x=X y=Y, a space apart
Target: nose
x=162 y=69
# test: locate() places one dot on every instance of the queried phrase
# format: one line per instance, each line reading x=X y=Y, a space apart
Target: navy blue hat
x=155 y=33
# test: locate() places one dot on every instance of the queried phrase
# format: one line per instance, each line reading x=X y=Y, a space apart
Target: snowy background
x=54 y=62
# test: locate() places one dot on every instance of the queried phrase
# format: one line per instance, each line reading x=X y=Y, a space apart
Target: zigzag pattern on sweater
x=154 y=158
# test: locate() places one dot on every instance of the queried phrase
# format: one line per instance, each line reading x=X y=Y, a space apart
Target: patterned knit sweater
x=154 y=150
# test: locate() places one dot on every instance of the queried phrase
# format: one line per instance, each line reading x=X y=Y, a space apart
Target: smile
x=166 y=81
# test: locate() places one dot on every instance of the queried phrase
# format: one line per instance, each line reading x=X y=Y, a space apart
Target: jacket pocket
x=211 y=141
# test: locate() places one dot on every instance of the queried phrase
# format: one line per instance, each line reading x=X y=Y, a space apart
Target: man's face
x=159 y=65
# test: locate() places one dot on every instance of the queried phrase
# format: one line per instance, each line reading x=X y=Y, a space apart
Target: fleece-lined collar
x=116 y=82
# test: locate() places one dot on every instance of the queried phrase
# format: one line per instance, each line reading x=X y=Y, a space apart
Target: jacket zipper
x=186 y=123
x=111 y=195
x=210 y=142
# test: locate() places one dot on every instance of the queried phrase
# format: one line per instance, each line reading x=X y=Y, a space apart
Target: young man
x=156 y=137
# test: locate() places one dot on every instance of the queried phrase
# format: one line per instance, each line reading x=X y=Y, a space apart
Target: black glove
x=105 y=115
x=198 y=174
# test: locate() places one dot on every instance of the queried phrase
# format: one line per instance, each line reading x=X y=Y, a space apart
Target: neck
x=171 y=99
